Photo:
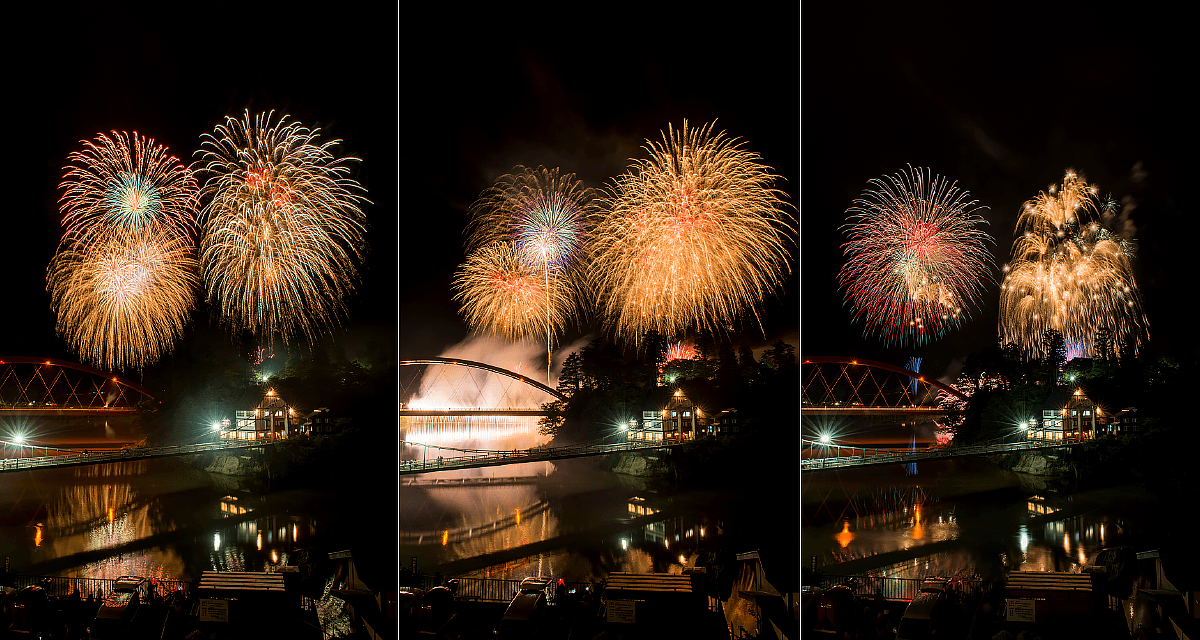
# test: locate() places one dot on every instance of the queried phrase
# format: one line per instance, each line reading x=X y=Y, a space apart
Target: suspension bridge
x=62 y=457
x=822 y=456
x=476 y=458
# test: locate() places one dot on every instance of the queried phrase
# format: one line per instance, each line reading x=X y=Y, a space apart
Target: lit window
x=673 y=414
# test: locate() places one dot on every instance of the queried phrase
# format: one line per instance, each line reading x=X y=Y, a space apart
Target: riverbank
x=1037 y=463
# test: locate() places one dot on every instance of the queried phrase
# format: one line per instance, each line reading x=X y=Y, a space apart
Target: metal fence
x=486 y=589
x=70 y=457
x=100 y=588
x=900 y=588
x=837 y=456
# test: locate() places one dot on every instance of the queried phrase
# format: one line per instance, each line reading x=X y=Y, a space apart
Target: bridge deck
x=471 y=412
x=836 y=457
x=476 y=459
x=76 y=457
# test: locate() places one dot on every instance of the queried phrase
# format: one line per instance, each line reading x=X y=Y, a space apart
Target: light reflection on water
x=1040 y=532
x=80 y=512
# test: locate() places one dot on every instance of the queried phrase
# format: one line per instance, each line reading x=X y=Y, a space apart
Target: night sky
x=173 y=77
x=439 y=106
x=1003 y=103
x=582 y=95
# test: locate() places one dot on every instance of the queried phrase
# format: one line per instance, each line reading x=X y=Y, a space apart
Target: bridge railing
x=478 y=458
x=857 y=457
x=486 y=589
x=900 y=588
x=68 y=457
x=99 y=588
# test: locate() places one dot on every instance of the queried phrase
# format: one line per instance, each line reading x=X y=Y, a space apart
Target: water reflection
x=249 y=543
x=153 y=518
x=1042 y=530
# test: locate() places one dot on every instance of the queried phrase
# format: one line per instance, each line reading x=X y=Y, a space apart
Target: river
x=967 y=517
x=156 y=518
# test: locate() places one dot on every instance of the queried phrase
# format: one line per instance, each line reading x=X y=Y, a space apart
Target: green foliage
x=998 y=413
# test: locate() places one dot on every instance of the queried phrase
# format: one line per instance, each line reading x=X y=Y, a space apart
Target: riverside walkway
x=475 y=458
x=818 y=456
x=76 y=457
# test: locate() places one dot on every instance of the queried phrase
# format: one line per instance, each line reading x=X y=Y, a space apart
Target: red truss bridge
x=837 y=385
x=434 y=387
x=43 y=386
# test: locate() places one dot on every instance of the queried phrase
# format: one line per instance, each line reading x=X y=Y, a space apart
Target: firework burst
x=122 y=280
x=917 y=261
x=681 y=351
x=540 y=210
x=528 y=224
x=1068 y=273
x=283 y=232
x=693 y=237
x=126 y=185
x=125 y=301
x=501 y=295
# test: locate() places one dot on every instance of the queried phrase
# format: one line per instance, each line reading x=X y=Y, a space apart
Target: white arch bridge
x=452 y=401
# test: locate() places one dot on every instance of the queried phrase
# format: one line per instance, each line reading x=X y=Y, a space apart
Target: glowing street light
x=825 y=439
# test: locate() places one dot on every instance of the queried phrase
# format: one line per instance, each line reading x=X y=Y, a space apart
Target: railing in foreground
x=486 y=589
x=900 y=588
x=99 y=588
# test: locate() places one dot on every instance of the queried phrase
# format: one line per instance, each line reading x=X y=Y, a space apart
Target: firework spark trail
x=914 y=365
x=124 y=302
x=283 y=231
x=917 y=263
x=1068 y=273
x=539 y=215
x=501 y=295
x=122 y=279
x=541 y=210
x=692 y=237
x=125 y=184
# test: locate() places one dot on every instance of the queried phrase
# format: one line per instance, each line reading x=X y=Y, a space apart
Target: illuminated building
x=669 y=418
x=1068 y=415
x=272 y=418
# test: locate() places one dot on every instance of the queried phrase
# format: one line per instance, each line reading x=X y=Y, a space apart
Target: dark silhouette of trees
x=1055 y=348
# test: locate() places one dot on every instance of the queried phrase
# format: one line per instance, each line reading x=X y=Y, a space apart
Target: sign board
x=213 y=610
x=621 y=611
x=1019 y=609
